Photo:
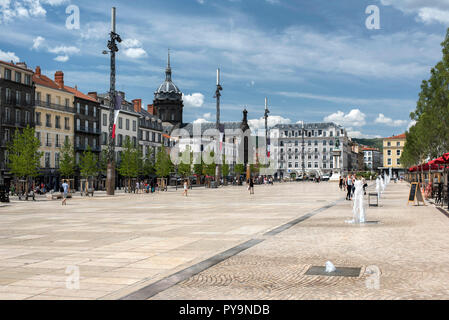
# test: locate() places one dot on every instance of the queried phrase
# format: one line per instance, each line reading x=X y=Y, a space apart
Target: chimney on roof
x=151 y=109
x=59 y=79
x=93 y=95
x=38 y=71
x=137 y=105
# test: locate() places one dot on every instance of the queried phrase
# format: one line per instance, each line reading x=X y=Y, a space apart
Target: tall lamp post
x=303 y=143
x=217 y=125
x=112 y=46
x=267 y=142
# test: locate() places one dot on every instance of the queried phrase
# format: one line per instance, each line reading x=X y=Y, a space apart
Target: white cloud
x=24 y=9
x=62 y=58
x=411 y=124
x=135 y=53
x=358 y=134
x=354 y=118
x=382 y=119
x=200 y=1
x=201 y=120
x=428 y=11
x=64 y=50
x=8 y=56
x=37 y=42
x=207 y=116
x=259 y=124
x=195 y=100
x=133 y=49
x=131 y=43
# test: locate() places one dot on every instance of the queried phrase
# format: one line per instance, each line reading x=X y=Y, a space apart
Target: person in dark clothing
x=251 y=186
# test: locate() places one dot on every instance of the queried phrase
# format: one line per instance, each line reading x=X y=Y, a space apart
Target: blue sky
x=314 y=60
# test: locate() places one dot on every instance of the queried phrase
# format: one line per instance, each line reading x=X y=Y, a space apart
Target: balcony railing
x=54 y=106
x=11 y=101
x=14 y=123
x=88 y=130
x=82 y=147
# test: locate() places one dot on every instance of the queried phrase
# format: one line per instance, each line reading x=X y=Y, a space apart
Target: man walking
x=349 y=184
x=65 y=188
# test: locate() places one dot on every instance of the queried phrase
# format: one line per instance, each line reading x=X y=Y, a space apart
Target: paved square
x=124 y=244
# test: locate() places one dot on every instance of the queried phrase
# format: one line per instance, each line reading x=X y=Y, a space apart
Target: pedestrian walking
x=349 y=183
x=340 y=183
x=65 y=187
x=186 y=187
x=251 y=186
x=365 y=185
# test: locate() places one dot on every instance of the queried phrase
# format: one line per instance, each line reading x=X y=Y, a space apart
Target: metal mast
x=266 y=126
x=303 y=163
x=112 y=46
x=217 y=125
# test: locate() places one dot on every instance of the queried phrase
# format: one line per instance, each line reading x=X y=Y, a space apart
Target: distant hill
x=374 y=143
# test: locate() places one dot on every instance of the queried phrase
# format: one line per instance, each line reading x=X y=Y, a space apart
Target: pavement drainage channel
x=172 y=280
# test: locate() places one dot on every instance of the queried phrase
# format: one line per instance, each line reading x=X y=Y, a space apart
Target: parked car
x=325 y=178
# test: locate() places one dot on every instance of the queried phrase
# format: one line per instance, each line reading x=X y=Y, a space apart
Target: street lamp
x=267 y=148
x=303 y=143
x=217 y=125
x=112 y=46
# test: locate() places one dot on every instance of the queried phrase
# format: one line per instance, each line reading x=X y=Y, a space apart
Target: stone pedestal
x=336 y=170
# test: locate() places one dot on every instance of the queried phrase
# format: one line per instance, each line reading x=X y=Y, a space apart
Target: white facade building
x=309 y=148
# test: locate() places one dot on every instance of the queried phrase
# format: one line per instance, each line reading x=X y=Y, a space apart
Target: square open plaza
x=215 y=150
x=224 y=244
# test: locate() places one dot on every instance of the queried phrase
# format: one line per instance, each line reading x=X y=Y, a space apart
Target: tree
x=88 y=164
x=429 y=137
x=198 y=167
x=239 y=168
x=225 y=167
x=163 y=163
x=67 y=162
x=148 y=164
x=24 y=155
x=209 y=169
x=185 y=169
x=103 y=161
x=129 y=165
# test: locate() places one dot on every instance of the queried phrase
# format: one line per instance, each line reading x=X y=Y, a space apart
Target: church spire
x=168 y=69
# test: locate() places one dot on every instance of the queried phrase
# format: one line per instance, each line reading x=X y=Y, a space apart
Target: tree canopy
x=24 y=155
x=88 y=164
x=163 y=163
x=429 y=137
x=67 y=161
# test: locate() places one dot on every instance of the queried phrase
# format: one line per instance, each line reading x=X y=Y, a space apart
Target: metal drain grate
x=339 y=272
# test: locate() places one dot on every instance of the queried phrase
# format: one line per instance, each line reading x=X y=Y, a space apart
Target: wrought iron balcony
x=54 y=106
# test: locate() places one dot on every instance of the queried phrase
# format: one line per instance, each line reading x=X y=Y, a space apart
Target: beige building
x=393 y=147
x=54 y=114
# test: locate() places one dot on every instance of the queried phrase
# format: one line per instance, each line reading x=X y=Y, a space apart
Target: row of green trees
x=429 y=136
x=25 y=158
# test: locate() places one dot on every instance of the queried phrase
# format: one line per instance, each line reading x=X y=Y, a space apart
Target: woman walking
x=251 y=186
x=185 y=188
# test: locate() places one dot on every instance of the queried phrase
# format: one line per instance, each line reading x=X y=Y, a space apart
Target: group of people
x=144 y=186
x=347 y=184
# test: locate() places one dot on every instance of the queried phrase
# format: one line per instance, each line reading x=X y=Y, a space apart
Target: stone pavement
x=123 y=244
x=403 y=256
